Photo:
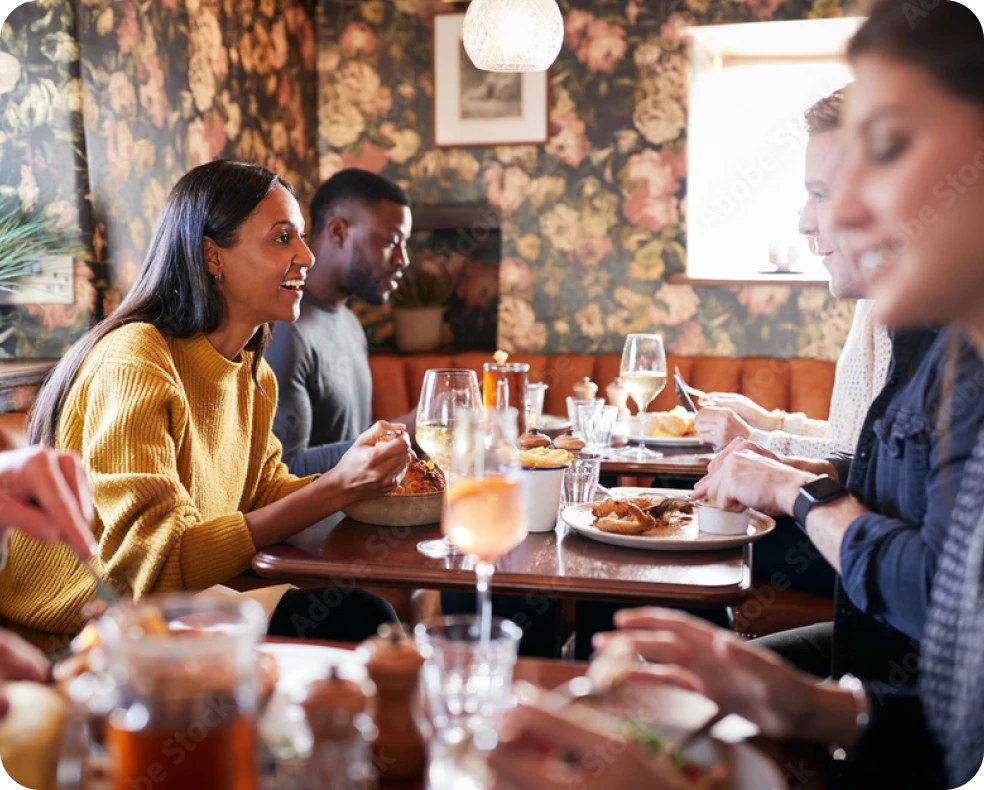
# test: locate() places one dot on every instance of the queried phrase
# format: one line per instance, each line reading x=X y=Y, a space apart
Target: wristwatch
x=863 y=719
x=819 y=492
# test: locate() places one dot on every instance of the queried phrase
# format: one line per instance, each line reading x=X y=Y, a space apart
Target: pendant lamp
x=513 y=35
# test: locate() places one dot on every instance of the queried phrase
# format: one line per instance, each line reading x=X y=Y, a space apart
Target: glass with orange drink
x=484 y=514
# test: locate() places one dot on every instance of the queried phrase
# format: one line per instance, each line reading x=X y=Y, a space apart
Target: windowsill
x=24 y=372
x=798 y=280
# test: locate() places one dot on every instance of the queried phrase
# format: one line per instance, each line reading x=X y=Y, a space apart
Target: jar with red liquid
x=504 y=387
x=186 y=693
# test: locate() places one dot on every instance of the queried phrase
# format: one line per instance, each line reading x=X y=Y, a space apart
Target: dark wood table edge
x=319 y=570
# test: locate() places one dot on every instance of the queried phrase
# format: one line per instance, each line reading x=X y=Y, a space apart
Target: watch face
x=824 y=488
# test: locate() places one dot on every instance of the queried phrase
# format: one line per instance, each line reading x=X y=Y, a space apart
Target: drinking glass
x=184 y=665
x=598 y=429
x=643 y=375
x=466 y=681
x=444 y=395
x=484 y=514
x=577 y=408
x=535 y=393
x=581 y=479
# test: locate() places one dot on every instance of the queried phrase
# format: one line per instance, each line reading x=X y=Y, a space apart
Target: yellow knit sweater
x=178 y=445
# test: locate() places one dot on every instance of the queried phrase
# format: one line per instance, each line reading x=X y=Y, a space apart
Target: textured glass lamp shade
x=513 y=35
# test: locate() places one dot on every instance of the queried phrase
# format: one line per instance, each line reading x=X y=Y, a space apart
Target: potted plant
x=28 y=241
x=418 y=307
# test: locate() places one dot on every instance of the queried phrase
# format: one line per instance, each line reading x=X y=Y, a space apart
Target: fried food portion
x=544 y=457
x=631 y=516
x=422 y=477
x=674 y=424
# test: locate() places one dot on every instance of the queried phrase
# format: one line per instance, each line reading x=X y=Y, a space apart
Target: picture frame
x=483 y=108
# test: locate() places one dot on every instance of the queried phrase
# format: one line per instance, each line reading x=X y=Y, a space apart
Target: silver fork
x=104 y=592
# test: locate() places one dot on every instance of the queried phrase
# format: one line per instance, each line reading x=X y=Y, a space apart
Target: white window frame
x=738 y=183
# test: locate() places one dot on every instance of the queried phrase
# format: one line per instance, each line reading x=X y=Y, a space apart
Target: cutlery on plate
x=660 y=509
x=684 y=391
x=684 y=743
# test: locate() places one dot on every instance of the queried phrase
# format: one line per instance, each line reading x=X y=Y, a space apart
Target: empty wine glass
x=445 y=394
x=643 y=375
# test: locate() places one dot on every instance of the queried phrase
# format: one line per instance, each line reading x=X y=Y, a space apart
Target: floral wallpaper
x=105 y=103
x=42 y=162
x=593 y=223
x=143 y=91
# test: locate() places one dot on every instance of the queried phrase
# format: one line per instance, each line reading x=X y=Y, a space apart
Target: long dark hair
x=947 y=42
x=173 y=291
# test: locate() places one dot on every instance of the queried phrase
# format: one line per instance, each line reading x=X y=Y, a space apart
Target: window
x=747 y=142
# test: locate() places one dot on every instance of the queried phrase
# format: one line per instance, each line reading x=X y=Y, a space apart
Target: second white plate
x=581 y=520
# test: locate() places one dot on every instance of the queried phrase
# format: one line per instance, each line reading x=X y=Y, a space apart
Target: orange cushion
x=791 y=384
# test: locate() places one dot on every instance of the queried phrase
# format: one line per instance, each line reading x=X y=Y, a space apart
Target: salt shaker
x=585 y=389
x=400 y=751
x=618 y=396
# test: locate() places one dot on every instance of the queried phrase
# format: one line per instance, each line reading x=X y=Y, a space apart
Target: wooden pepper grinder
x=585 y=389
x=400 y=752
x=618 y=396
x=331 y=706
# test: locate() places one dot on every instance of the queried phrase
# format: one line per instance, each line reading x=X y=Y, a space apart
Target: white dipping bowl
x=715 y=521
x=541 y=496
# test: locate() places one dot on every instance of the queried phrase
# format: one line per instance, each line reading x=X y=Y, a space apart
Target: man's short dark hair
x=352 y=184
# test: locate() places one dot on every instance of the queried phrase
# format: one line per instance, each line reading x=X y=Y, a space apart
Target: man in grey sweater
x=360 y=222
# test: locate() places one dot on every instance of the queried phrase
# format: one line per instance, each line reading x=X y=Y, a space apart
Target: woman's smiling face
x=263 y=271
x=910 y=202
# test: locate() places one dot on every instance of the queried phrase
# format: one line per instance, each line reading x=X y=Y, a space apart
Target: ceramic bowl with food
x=398 y=510
x=416 y=501
x=713 y=520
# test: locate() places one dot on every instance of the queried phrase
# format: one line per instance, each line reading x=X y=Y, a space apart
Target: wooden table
x=560 y=563
x=804 y=766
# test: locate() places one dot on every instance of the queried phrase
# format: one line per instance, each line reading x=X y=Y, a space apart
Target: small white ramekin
x=721 y=522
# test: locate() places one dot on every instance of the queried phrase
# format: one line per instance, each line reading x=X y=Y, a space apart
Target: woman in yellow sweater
x=170 y=405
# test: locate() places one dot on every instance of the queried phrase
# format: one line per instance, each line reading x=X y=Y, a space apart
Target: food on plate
x=632 y=516
x=678 y=423
x=543 y=457
x=568 y=441
x=533 y=438
x=422 y=477
x=670 y=769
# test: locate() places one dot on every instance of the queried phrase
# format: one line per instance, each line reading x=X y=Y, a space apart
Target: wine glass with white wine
x=445 y=395
x=643 y=374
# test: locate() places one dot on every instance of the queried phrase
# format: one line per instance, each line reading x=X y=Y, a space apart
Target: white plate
x=675 y=712
x=553 y=425
x=625 y=431
x=301 y=665
x=581 y=520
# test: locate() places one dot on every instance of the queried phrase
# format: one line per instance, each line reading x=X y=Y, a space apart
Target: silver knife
x=682 y=391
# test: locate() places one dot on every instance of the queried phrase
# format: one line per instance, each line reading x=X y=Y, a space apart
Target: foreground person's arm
x=46 y=495
x=894 y=748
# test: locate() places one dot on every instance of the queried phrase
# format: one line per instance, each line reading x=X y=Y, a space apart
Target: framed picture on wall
x=474 y=107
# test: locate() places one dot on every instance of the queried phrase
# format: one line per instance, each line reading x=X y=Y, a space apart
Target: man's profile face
x=377 y=243
x=824 y=162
